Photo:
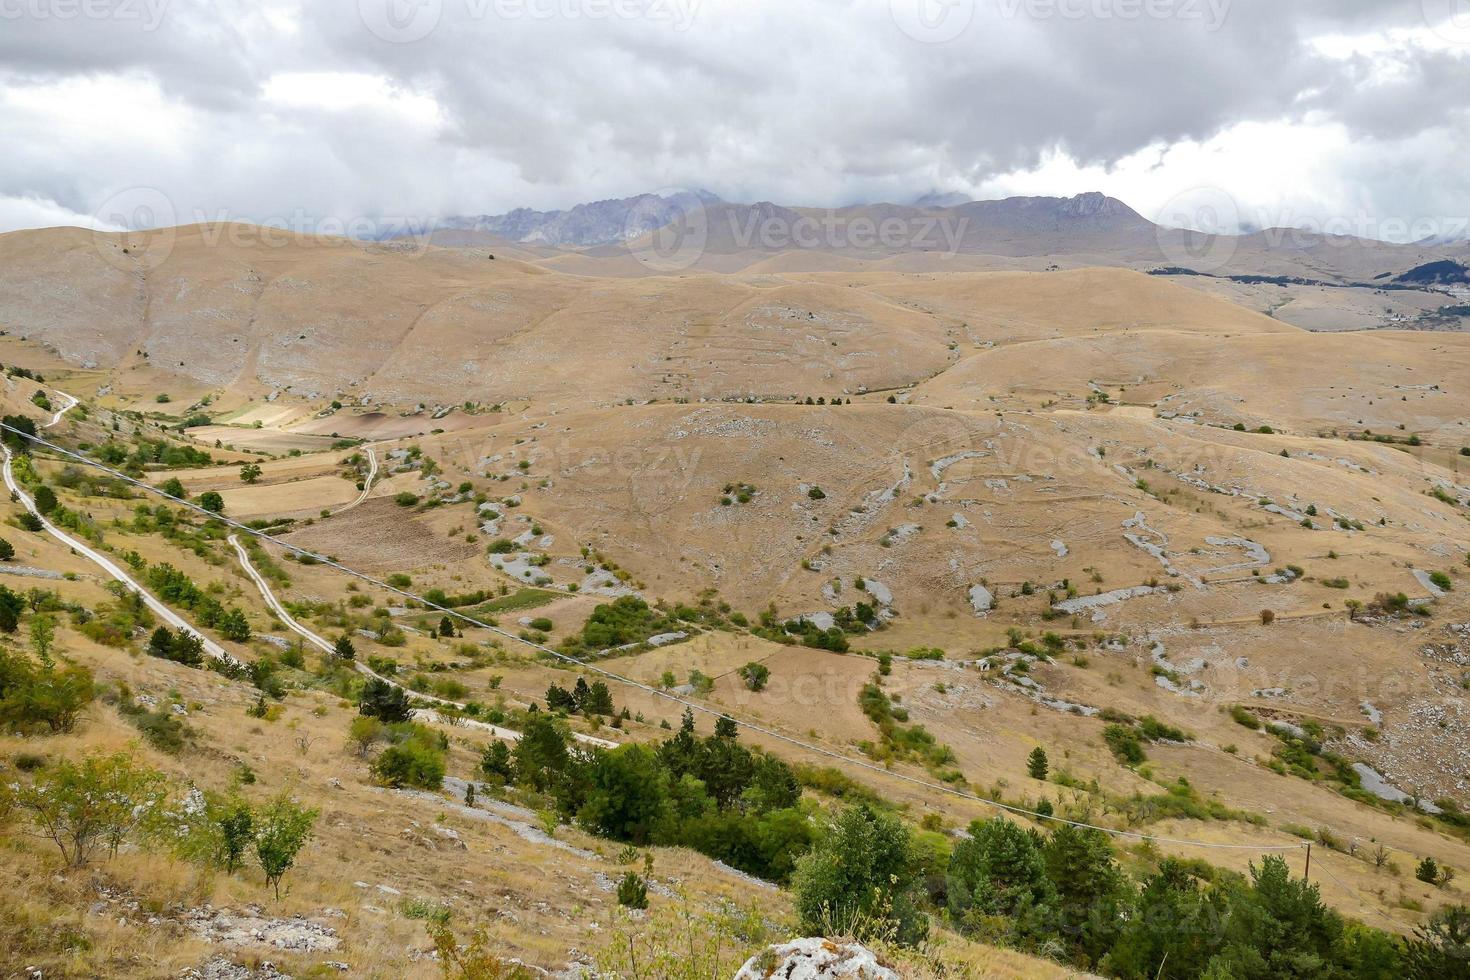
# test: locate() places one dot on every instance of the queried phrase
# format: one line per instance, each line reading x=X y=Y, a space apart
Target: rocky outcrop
x=815 y=959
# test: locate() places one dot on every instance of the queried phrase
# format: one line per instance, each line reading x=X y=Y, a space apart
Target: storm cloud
x=320 y=111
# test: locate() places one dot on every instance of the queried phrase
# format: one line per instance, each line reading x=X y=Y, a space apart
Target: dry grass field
x=1067 y=497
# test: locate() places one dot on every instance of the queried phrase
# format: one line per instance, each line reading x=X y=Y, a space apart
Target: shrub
x=81 y=807
x=1244 y=717
x=41 y=698
x=1123 y=742
x=633 y=892
x=755 y=675
x=860 y=880
x=406 y=499
x=414 y=762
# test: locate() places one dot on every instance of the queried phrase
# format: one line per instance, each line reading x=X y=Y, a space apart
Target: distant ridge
x=588 y=225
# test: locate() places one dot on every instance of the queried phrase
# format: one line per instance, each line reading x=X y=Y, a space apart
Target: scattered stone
x=253 y=928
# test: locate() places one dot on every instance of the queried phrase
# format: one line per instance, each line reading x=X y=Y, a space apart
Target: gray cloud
x=549 y=102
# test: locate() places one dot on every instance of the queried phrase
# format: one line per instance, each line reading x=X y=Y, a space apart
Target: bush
x=1123 y=743
x=542 y=623
x=860 y=880
x=81 y=807
x=406 y=499
x=41 y=698
x=633 y=892
x=1244 y=717
x=413 y=763
x=755 y=675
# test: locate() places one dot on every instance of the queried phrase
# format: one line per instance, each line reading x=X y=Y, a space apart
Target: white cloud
x=17 y=213
x=299 y=111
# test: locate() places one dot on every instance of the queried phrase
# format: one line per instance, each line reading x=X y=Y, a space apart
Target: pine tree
x=599 y=700
x=1036 y=763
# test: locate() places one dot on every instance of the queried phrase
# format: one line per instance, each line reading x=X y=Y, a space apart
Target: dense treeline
x=711 y=794
x=1064 y=895
x=1061 y=894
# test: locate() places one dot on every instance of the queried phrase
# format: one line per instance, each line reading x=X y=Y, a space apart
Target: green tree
x=496 y=763
x=236 y=824
x=541 y=756
x=859 y=880
x=755 y=675
x=99 y=802
x=41 y=699
x=43 y=636
x=1036 y=764
x=1278 y=927
x=234 y=626
x=284 y=828
x=21 y=424
x=46 y=501
x=599 y=700
x=997 y=884
x=1174 y=929
x=1091 y=893
x=384 y=701
x=250 y=472
x=633 y=891
x=364 y=732
x=343 y=648
x=7 y=550
x=11 y=606
x=174 y=488
x=161 y=643
x=627 y=798
x=1440 y=949
x=211 y=501
x=1428 y=871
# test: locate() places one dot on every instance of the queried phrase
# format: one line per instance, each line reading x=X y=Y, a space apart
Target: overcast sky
x=315 y=112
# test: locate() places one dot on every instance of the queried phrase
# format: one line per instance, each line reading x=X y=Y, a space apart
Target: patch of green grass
x=517 y=601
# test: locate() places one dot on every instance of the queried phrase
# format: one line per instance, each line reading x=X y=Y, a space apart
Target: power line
x=638 y=685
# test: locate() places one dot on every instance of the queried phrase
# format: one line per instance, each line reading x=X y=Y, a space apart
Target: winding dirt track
x=114 y=570
x=424 y=714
